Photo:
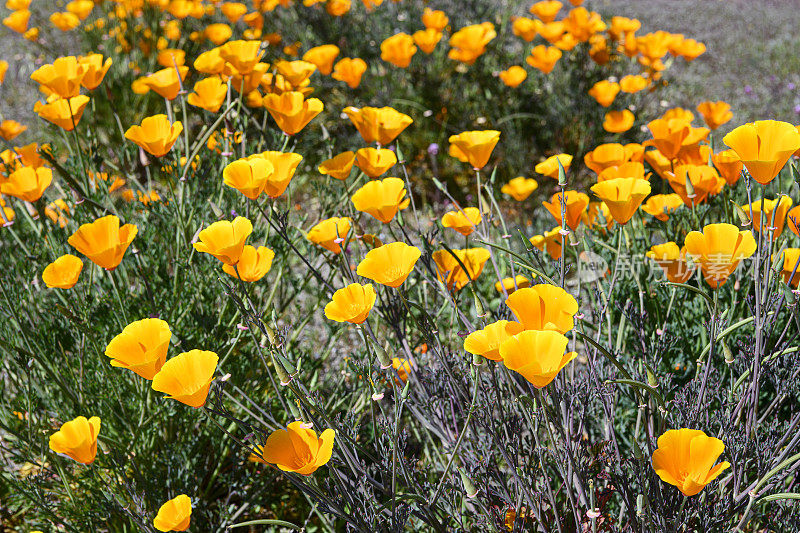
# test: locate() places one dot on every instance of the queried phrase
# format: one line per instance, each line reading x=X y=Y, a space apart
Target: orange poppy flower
x=297 y=449
x=774 y=214
x=339 y=166
x=248 y=176
x=208 y=94
x=224 y=239
x=623 y=196
x=718 y=249
x=187 y=377
x=486 y=342
x=549 y=167
x=291 y=111
x=141 y=347
x=604 y=156
x=27 y=183
x=95 y=69
x=77 y=439
x=618 y=121
x=156 y=135
x=65 y=113
x=525 y=28
x=165 y=82
x=509 y=285
x=470 y=42
x=537 y=355
x=672 y=260
x=174 y=515
x=544 y=307
x=668 y=135
x=254 y=263
x=715 y=114
x=452 y=273
x=427 y=39
x=375 y=161
x=685 y=458
x=544 y=58
x=103 y=241
x=550 y=242
x=546 y=10
x=764 y=146
x=604 y=92
x=575 y=205
x=62 y=273
x=349 y=70
x=704 y=179
x=463 y=220
x=389 y=264
x=477 y=146
x=520 y=188
x=662 y=205
x=322 y=57
x=378 y=125
x=62 y=77
x=513 y=76
x=434 y=19
x=728 y=165
x=330 y=233
x=351 y=304
x=381 y=199
x=398 y=49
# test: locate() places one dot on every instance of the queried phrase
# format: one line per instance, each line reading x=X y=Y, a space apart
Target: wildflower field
x=385 y=266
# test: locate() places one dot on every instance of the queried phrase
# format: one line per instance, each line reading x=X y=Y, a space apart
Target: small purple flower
x=797 y=109
x=233 y=213
x=433 y=148
x=748 y=89
x=790 y=86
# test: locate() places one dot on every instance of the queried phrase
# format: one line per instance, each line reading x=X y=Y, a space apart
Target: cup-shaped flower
x=790 y=266
x=549 y=167
x=165 y=82
x=537 y=355
x=546 y=10
x=323 y=57
x=375 y=161
x=451 y=269
x=187 y=377
x=715 y=114
x=77 y=439
x=669 y=134
x=764 y=146
x=623 y=196
x=704 y=179
x=544 y=307
x=513 y=76
x=728 y=165
x=64 y=21
x=349 y=70
x=672 y=260
x=434 y=19
x=208 y=94
x=95 y=69
x=248 y=176
x=550 y=242
x=351 y=304
x=685 y=458
x=291 y=110
x=155 y=135
x=389 y=264
x=773 y=217
x=174 y=515
x=18 y=20
x=339 y=166
x=241 y=55
x=520 y=188
x=793 y=219
x=381 y=199
x=662 y=205
x=141 y=347
x=632 y=83
x=217 y=33
x=605 y=156
x=330 y=233
x=285 y=165
x=618 y=121
x=628 y=169
x=718 y=249
x=526 y=28
x=398 y=49
x=298 y=449
x=65 y=113
x=63 y=273
x=254 y=263
x=61 y=77
x=296 y=73
x=486 y=342
x=224 y=239
x=470 y=42
x=10 y=129
x=477 y=146
x=463 y=220
x=604 y=92
x=103 y=241
x=427 y=40
x=544 y=58
x=574 y=205
x=379 y=125
x=509 y=285
x=27 y=183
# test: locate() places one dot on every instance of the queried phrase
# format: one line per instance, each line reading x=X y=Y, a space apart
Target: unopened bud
x=469 y=486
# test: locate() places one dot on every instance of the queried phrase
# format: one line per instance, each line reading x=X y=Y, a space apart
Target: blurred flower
x=248 y=176
x=389 y=264
x=715 y=114
x=574 y=205
x=704 y=179
x=375 y=161
x=64 y=21
x=95 y=69
x=18 y=20
x=427 y=39
x=225 y=239
x=381 y=125
x=549 y=167
x=544 y=307
x=103 y=241
x=550 y=242
x=486 y=342
x=291 y=111
x=729 y=166
x=520 y=188
x=77 y=439
x=685 y=458
x=544 y=58
x=155 y=135
x=790 y=269
x=623 y=196
x=218 y=33
x=254 y=263
x=233 y=11
x=628 y=169
x=170 y=57
x=632 y=84
x=451 y=269
x=668 y=135
x=618 y=121
x=764 y=146
x=604 y=156
x=477 y=146
x=285 y=165
x=174 y=515
x=470 y=42
x=525 y=28
x=141 y=347
x=62 y=273
x=463 y=220
x=27 y=183
x=514 y=76
x=512 y=284
x=210 y=62
x=672 y=260
x=604 y=92
x=165 y=82
x=381 y=199
x=718 y=249
x=398 y=49
x=330 y=232
x=349 y=70
x=546 y=10
x=296 y=73
x=351 y=304
x=662 y=205
x=537 y=355
x=339 y=166
x=187 y=377
x=209 y=94
x=434 y=19
x=65 y=113
x=297 y=449
x=774 y=213
x=322 y=57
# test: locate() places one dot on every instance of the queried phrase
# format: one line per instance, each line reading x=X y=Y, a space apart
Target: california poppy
x=618 y=121
x=520 y=188
x=62 y=77
x=672 y=260
x=339 y=166
x=103 y=241
x=575 y=205
x=285 y=165
x=434 y=19
x=349 y=70
x=549 y=167
x=544 y=58
x=450 y=269
x=728 y=165
x=254 y=263
x=486 y=342
x=389 y=264
x=544 y=307
x=351 y=304
x=662 y=205
x=668 y=135
x=155 y=135
x=381 y=199
x=77 y=439
x=248 y=176
x=718 y=249
x=62 y=273
x=623 y=196
x=298 y=449
x=208 y=94
x=509 y=285
x=291 y=111
x=187 y=377
x=476 y=145
x=685 y=458
x=427 y=39
x=550 y=242
x=375 y=161
x=463 y=220
x=604 y=92
x=323 y=57
x=94 y=69
x=166 y=82
x=224 y=239
x=174 y=515
x=715 y=114
x=537 y=355
x=378 y=125
x=470 y=42
x=398 y=49
x=330 y=233
x=774 y=214
x=65 y=113
x=27 y=183
x=141 y=347
x=764 y=146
